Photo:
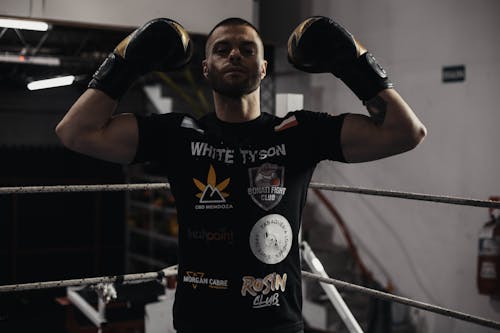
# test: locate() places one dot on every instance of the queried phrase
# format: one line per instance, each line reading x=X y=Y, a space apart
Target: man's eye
x=222 y=50
x=248 y=51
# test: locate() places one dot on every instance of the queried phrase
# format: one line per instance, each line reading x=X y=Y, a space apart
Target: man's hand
x=159 y=45
x=321 y=45
x=89 y=127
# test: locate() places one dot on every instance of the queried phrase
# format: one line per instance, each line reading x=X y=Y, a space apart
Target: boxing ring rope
x=409 y=195
x=172 y=271
x=336 y=188
x=403 y=300
x=118 y=279
x=83 y=188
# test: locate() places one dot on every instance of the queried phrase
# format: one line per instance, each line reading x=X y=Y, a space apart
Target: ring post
x=330 y=290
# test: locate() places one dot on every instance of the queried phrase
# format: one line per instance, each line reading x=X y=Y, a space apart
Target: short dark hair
x=232 y=21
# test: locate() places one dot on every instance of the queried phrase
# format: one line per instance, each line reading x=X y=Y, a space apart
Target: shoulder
x=306 y=118
x=173 y=119
x=166 y=125
x=164 y=117
x=307 y=115
x=207 y=119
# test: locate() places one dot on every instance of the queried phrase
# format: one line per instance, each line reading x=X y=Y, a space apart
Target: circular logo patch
x=271 y=239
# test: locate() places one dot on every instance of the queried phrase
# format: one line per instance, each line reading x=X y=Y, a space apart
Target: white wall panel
x=15 y=7
x=430 y=250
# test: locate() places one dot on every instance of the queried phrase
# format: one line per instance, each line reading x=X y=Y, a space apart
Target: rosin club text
x=261 y=288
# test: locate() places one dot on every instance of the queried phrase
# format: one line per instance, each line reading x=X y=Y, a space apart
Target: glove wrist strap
x=113 y=77
x=365 y=77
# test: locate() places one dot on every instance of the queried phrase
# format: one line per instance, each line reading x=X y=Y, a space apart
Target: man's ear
x=263 y=69
x=205 y=68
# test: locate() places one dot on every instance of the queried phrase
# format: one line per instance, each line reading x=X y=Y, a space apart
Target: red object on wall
x=488 y=264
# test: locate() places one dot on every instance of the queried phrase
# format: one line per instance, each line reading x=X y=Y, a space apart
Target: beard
x=234 y=88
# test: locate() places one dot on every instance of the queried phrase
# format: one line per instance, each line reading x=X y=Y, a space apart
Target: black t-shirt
x=240 y=189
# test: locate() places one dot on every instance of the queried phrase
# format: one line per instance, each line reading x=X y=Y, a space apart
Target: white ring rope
x=403 y=300
x=118 y=279
x=330 y=187
x=82 y=188
x=172 y=271
x=409 y=195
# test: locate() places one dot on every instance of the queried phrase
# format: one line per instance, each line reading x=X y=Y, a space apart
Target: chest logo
x=271 y=239
x=266 y=185
x=212 y=195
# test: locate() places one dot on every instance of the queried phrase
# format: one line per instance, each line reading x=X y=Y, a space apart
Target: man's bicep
x=117 y=141
x=364 y=141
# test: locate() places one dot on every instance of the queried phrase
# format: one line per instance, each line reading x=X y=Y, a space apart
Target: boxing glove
x=321 y=45
x=159 y=45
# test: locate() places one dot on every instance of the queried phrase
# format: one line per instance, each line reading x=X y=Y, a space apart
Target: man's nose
x=234 y=54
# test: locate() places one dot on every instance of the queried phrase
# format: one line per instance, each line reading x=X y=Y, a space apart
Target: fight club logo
x=265 y=291
x=212 y=195
x=271 y=239
x=266 y=185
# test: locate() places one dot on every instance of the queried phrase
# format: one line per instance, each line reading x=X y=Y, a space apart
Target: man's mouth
x=235 y=70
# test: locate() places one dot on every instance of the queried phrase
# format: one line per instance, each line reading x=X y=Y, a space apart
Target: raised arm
x=321 y=45
x=90 y=127
x=393 y=128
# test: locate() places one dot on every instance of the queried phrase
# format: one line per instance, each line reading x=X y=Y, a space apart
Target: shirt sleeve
x=322 y=132
x=156 y=134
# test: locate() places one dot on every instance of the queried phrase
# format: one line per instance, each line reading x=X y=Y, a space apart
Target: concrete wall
x=429 y=250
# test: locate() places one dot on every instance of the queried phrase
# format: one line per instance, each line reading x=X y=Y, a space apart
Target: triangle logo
x=211 y=195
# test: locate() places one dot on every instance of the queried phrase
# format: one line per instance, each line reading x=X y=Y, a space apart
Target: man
x=239 y=176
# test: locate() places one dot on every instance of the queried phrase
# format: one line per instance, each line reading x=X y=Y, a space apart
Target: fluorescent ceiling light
x=24 y=59
x=51 y=83
x=24 y=24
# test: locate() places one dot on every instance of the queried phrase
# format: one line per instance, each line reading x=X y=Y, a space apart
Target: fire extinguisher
x=488 y=265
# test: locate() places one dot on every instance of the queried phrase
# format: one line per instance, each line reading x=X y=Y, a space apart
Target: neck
x=237 y=110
